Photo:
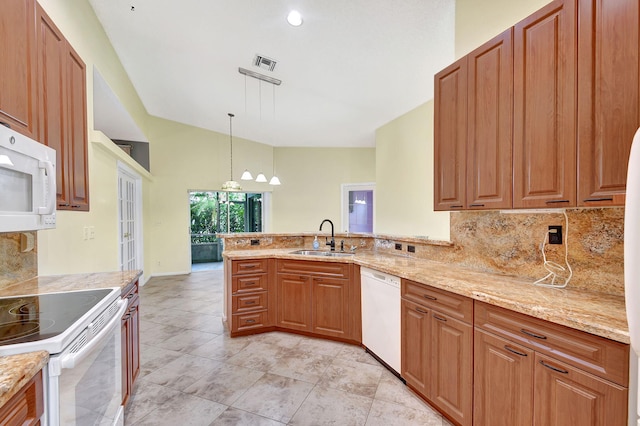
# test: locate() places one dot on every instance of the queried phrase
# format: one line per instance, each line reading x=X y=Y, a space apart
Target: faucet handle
x=353 y=248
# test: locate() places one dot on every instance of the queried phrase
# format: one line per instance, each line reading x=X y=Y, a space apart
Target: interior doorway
x=358 y=207
x=129 y=219
x=220 y=212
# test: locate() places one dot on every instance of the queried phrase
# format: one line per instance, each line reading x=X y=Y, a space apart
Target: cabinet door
x=416 y=346
x=76 y=131
x=451 y=372
x=294 y=302
x=52 y=112
x=503 y=382
x=125 y=337
x=564 y=395
x=331 y=307
x=544 y=119
x=489 y=121
x=18 y=85
x=134 y=341
x=608 y=97
x=450 y=136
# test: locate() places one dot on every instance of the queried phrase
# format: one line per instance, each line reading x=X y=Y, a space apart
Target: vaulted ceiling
x=351 y=67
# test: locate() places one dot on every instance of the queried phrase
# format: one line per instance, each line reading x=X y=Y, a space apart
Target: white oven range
x=81 y=332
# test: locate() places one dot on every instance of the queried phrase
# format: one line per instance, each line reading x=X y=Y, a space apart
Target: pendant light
x=274 y=180
x=231 y=185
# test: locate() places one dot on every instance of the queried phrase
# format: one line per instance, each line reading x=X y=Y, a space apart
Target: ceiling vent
x=264 y=63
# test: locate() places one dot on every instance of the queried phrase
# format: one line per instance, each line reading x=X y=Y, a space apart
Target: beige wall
x=404 y=176
x=479 y=21
x=64 y=250
x=183 y=159
x=311 y=184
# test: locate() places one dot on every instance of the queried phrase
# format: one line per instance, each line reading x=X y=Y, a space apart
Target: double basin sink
x=322 y=253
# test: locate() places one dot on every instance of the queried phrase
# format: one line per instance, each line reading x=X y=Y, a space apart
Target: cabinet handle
x=130 y=296
x=476 y=205
x=126 y=317
x=75 y=206
x=537 y=336
x=457 y=207
x=439 y=318
x=248 y=266
x=426 y=296
x=513 y=351
x=250 y=283
x=593 y=200
x=556 y=201
x=421 y=311
x=551 y=367
x=250 y=302
x=250 y=321
x=7 y=125
x=63 y=204
x=132 y=310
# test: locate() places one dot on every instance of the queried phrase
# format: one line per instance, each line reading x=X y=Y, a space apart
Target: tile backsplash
x=15 y=264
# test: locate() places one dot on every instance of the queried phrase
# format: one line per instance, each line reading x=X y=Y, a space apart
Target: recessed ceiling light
x=294 y=18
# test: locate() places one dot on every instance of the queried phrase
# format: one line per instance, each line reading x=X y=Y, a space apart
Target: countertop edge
x=465 y=285
x=17 y=370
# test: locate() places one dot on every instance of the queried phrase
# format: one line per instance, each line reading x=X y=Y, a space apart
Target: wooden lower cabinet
x=564 y=395
x=294 y=302
x=503 y=382
x=452 y=367
x=330 y=311
x=437 y=348
x=26 y=407
x=416 y=346
x=130 y=334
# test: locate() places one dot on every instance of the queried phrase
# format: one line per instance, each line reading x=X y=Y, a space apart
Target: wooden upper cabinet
x=62 y=112
x=608 y=97
x=51 y=82
x=18 y=89
x=450 y=141
x=489 y=121
x=544 y=122
x=77 y=138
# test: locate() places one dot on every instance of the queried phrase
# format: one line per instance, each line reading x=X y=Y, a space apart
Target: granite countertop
x=17 y=370
x=596 y=313
x=59 y=283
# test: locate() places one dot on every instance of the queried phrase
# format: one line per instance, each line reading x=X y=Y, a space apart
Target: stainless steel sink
x=322 y=253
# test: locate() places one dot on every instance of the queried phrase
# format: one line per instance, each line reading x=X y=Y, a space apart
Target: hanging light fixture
x=231 y=185
x=274 y=180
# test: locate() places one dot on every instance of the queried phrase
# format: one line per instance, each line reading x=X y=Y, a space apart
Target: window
x=224 y=212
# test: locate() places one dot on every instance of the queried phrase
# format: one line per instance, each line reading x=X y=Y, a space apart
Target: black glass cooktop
x=33 y=318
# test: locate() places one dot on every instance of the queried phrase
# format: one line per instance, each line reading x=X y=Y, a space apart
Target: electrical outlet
x=555 y=234
x=255 y=242
x=398 y=246
x=411 y=249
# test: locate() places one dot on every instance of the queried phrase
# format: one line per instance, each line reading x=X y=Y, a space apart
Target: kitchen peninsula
x=572 y=338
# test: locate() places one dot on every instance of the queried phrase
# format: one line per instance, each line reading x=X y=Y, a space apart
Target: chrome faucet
x=331 y=243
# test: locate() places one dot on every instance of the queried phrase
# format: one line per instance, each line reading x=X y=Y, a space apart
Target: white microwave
x=27 y=183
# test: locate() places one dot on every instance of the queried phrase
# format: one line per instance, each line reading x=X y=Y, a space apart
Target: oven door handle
x=69 y=360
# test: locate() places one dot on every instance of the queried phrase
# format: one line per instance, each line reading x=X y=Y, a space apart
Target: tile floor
x=193 y=373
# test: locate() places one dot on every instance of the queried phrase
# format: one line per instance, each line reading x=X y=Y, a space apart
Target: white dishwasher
x=380 y=296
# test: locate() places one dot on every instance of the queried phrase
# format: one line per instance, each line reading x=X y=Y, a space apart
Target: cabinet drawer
x=249 y=321
x=249 y=302
x=602 y=357
x=249 y=266
x=249 y=283
x=454 y=305
x=329 y=269
x=130 y=292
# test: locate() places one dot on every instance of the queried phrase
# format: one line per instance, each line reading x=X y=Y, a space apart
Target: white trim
x=344 y=202
x=123 y=168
